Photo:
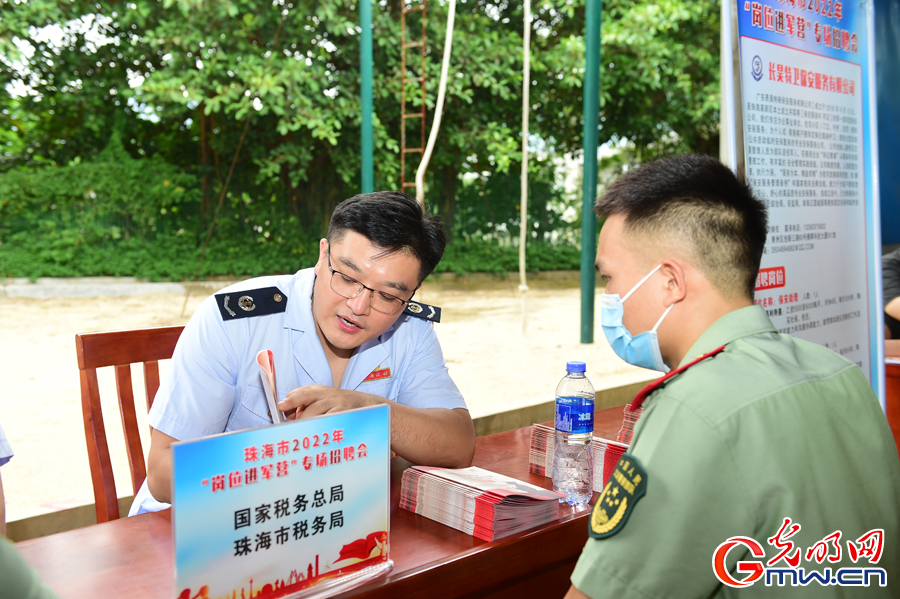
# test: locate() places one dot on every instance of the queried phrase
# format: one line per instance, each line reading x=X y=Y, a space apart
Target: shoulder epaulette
x=423 y=311
x=251 y=302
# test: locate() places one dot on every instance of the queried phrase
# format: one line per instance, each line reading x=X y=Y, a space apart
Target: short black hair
x=394 y=222
x=697 y=203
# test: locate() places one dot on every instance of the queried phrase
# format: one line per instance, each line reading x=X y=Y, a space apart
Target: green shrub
x=174 y=257
x=464 y=257
x=120 y=216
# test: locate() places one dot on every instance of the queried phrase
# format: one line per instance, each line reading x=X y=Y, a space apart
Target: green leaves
x=464 y=257
x=178 y=79
x=92 y=198
x=660 y=72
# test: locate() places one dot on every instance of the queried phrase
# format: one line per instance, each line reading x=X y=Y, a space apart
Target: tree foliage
x=194 y=86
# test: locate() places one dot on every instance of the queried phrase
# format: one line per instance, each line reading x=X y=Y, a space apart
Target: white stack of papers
x=476 y=501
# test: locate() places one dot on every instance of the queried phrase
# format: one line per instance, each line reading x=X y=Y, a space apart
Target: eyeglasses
x=350 y=288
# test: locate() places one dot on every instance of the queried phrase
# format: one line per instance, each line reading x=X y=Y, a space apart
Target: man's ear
x=674 y=281
x=323 y=257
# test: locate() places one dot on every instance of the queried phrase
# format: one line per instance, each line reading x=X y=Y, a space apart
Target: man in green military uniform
x=759 y=447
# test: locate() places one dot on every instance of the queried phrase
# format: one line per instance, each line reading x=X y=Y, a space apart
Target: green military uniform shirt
x=18 y=580
x=774 y=427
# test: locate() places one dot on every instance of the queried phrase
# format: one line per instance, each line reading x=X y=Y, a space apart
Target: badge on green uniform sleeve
x=626 y=485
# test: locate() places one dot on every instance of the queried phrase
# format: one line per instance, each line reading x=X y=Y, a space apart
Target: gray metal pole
x=589 y=189
x=365 y=71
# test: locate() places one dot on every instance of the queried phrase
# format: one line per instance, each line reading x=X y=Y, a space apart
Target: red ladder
x=406 y=78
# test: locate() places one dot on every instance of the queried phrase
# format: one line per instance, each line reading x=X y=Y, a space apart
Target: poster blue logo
x=757 y=67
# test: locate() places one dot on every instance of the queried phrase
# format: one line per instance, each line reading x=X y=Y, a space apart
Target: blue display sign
x=299 y=509
x=809 y=152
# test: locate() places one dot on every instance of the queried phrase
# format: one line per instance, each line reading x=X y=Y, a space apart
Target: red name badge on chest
x=378 y=374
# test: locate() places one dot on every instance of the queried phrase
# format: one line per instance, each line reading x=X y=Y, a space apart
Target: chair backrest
x=892 y=400
x=119 y=349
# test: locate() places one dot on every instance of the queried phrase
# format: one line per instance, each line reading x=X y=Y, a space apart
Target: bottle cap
x=575 y=367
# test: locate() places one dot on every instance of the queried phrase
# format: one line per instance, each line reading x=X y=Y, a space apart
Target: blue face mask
x=642 y=350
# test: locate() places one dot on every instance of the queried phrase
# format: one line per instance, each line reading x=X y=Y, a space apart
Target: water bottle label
x=574 y=415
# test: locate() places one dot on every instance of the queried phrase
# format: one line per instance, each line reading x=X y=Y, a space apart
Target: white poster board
x=802 y=101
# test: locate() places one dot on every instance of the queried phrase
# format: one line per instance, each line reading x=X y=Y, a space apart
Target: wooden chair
x=119 y=349
x=892 y=399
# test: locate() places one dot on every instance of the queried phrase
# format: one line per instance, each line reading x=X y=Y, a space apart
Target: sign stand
x=300 y=509
x=800 y=109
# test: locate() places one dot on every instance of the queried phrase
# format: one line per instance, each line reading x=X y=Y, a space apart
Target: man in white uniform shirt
x=344 y=334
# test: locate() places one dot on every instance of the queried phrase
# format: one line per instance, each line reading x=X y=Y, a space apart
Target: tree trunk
x=204 y=182
x=447 y=176
x=319 y=194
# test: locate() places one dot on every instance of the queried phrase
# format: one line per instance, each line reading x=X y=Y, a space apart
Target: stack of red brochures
x=476 y=501
x=543 y=444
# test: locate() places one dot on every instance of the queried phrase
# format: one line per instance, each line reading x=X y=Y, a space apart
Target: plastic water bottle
x=573 y=460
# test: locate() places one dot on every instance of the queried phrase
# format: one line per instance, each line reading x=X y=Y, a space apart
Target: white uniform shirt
x=214 y=383
x=6 y=452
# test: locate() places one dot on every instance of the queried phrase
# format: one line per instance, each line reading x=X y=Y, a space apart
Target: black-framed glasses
x=348 y=287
